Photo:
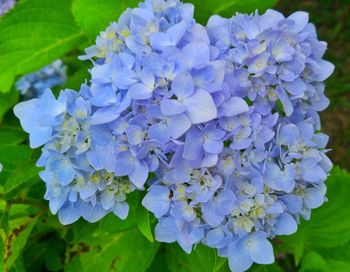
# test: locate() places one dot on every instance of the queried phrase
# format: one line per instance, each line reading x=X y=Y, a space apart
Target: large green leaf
x=17 y=238
x=329 y=225
x=6 y=102
x=11 y=136
x=94 y=16
x=227 y=8
x=313 y=261
x=338 y=266
x=34 y=34
x=11 y=157
x=143 y=223
x=127 y=251
x=22 y=175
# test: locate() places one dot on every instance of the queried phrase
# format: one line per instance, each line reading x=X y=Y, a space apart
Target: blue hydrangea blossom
x=33 y=85
x=224 y=116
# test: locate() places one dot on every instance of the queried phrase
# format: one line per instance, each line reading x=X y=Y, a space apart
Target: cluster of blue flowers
x=6 y=5
x=224 y=116
x=34 y=84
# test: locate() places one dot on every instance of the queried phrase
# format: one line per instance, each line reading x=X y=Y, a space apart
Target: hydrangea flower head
x=79 y=175
x=225 y=117
x=34 y=84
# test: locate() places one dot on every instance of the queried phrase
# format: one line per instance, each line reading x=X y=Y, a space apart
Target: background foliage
x=37 y=32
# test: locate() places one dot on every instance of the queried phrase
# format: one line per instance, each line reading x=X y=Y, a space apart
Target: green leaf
x=340 y=253
x=20 y=230
x=34 y=34
x=143 y=223
x=23 y=173
x=202 y=258
x=6 y=102
x=228 y=8
x=94 y=16
x=18 y=266
x=159 y=263
x=11 y=157
x=338 y=266
x=313 y=261
x=11 y=136
x=127 y=251
x=329 y=225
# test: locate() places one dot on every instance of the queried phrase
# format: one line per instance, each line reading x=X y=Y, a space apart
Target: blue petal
x=107 y=199
x=124 y=164
x=215 y=236
x=88 y=190
x=178 y=125
x=63 y=171
x=92 y=213
x=176 y=32
x=166 y=230
x=159 y=41
x=315 y=174
x=183 y=85
x=40 y=136
x=121 y=209
x=296 y=87
x=238 y=258
x=103 y=95
x=285 y=225
x=211 y=214
x=25 y=112
x=124 y=79
x=326 y=69
x=193 y=144
x=171 y=107
x=189 y=236
x=159 y=132
x=300 y=18
x=294 y=203
x=157 y=200
x=105 y=115
x=139 y=174
x=106 y=156
x=135 y=135
x=234 y=106
x=213 y=146
x=69 y=213
x=287 y=105
x=261 y=250
x=313 y=198
x=197 y=54
x=140 y=91
x=288 y=134
x=200 y=107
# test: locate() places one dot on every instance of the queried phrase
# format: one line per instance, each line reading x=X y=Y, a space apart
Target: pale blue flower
x=248 y=249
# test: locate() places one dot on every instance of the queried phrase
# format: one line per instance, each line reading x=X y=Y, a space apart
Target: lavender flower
x=225 y=116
